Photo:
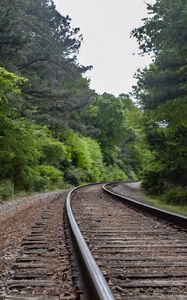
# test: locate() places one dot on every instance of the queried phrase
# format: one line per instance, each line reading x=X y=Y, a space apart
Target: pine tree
x=39 y=43
x=162 y=91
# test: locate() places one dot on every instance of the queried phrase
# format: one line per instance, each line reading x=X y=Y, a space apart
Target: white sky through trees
x=106 y=26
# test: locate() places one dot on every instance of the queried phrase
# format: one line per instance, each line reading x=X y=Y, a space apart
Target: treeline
x=162 y=92
x=54 y=130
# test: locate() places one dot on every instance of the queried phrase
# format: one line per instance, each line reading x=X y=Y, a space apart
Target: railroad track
x=131 y=254
x=141 y=256
x=43 y=267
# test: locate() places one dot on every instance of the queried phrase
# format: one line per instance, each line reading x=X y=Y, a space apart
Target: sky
x=107 y=46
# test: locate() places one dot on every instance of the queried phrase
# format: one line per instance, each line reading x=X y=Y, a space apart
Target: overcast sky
x=106 y=26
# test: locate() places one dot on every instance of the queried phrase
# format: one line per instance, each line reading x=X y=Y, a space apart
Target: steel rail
x=98 y=281
x=157 y=212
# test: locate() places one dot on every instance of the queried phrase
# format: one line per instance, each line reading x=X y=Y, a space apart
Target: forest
x=56 y=132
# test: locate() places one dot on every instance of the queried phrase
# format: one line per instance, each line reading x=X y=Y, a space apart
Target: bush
x=78 y=176
x=48 y=177
x=113 y=173
x=153 y=182
x=53 y=152
x=152 y=179
x=71 y=178
x=6 y=189
x=176 y=195
x=40 y=183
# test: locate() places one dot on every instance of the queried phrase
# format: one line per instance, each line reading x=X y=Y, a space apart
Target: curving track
x=131 y=254
x=141 y=256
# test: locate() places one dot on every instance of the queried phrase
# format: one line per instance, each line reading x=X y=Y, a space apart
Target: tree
x=113 y=122
x=162 y=90
x=18 y=146
x=106 y=115
x=23 y=144
x=53 y=126
x=39 y=43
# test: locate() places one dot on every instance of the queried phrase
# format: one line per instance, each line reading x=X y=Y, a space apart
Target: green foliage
x=53 y=128
x=18 y=149
x=8 y=84
x=153 y=178
x=23 y=145
x=176 y=195
x=6 y=189
x=49 y=177
x=113 y=173
x=162 y=90
x=107 y=116
x=96 y=160
x=77 y=176
x=117 y=125
x=85 y=155
x=19 y=152
x=39 y=43
x=160 y=31
x=77 y=149
x=9 y=92
x=164 y=82
x=54 y=152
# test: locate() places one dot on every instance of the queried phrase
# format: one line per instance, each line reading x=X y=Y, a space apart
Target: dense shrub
x=176 y=195
x=85 y=158
x=53 y=151
x=153 y=179
x=49 y=176
x=113 y=173
x=6 y=189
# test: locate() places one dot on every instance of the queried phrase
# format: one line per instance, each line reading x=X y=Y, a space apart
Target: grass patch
x=157 y=202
